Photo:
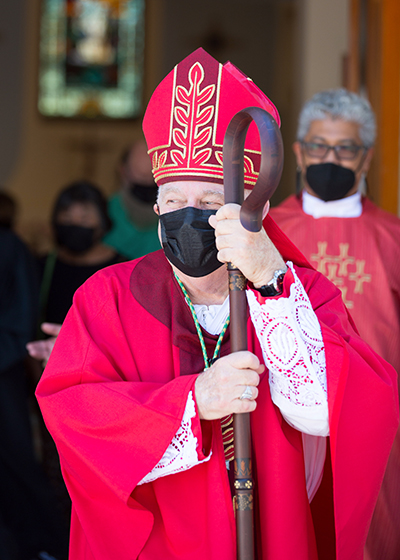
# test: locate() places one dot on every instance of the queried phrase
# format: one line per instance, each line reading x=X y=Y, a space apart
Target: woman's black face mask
x=188 y=241
x=77 y=239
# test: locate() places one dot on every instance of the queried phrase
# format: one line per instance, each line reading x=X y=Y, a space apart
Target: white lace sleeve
x=181 y=454
x=293 y=349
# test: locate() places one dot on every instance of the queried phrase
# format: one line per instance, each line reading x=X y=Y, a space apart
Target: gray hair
x=339 y=104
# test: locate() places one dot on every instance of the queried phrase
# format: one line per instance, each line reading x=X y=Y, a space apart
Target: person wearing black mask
x=140 y=386
x=332 y=158
x=355 y=244
x=188 y=241
x=134 y=231
x=79 y=222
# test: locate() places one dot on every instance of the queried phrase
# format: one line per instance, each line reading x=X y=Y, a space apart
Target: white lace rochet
x=181 y=453
x=293 y=350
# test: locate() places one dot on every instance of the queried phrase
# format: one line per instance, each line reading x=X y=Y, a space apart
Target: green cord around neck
x=207 y=362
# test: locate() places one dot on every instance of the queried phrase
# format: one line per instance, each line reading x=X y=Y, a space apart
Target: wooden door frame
x=374 y=68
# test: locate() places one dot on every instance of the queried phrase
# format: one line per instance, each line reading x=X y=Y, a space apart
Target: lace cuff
x=291 y=341
x=181 y=454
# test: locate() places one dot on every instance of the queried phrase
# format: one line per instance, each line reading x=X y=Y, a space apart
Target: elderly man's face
x=198 y=194
x=334 y=132
x=187 y=237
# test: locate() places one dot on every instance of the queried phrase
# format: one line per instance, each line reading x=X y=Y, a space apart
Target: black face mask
x=330 y=181
x=144 y=193
x=76 y=239
x=188 y=241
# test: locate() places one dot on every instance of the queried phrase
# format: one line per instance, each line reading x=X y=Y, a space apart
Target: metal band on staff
x=251 y=218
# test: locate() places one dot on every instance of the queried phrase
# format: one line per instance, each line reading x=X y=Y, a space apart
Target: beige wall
x=323 y=44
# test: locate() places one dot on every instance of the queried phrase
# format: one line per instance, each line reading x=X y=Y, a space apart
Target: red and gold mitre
x=188 y=114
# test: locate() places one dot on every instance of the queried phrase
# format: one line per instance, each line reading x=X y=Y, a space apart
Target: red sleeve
x=98 y=407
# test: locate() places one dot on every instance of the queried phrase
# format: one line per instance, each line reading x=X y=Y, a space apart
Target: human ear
x=367 y=161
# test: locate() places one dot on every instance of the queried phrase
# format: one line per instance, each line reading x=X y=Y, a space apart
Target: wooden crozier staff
x=251 y=218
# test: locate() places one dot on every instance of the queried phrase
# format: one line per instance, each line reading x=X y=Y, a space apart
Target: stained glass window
x=91 y=58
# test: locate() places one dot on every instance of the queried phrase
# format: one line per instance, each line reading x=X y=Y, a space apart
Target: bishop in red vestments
x=137 y=406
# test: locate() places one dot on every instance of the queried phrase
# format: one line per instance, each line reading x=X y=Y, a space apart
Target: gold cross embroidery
x=336 y=268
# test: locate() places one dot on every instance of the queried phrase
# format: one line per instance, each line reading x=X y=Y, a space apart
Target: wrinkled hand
x=219 y=388
x=41 y=349
x=252 y=253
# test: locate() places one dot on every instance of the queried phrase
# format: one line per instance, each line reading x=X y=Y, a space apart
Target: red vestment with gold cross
x=362 y=257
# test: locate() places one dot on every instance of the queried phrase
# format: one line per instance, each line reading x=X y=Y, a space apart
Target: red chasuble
x=113 y=396
x=362 y=257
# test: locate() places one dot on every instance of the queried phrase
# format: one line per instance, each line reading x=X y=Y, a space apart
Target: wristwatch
x=274 y=286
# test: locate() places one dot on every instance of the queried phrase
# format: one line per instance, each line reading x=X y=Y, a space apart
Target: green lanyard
x=207 y=363
x=45 y=289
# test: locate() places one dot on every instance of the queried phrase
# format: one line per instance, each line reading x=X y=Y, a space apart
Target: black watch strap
x=274 y=286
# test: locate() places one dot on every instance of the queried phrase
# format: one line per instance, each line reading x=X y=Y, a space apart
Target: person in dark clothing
x=79 y=221
x=29 y=522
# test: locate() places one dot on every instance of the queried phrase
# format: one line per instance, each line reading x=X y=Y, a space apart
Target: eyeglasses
x=320 y=151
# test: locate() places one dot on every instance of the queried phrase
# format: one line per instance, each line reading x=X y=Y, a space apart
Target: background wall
x=322 y=45
x=290 y=48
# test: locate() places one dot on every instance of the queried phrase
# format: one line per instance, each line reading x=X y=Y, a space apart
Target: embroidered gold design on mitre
x=187 y=116
x=193 y=117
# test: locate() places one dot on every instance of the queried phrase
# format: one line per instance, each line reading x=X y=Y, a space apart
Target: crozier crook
x=251 y=218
